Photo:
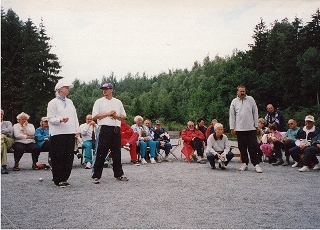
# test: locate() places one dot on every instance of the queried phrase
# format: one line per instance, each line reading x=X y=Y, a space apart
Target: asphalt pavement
x=166 y=195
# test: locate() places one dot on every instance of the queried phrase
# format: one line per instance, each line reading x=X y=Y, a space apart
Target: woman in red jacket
x=128 y=140
x=192 y=140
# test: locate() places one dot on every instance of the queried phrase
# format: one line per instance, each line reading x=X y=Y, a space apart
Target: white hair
x=136 y=118
x=23 y=114
x=218 y=125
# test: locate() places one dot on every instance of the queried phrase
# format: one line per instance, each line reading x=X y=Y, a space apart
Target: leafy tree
x=29 y=70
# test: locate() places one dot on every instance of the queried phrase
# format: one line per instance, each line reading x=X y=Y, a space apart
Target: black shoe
x=279 y=162
x=213 y=167
x=4 y=170
x=79 y=155
x=221 y=167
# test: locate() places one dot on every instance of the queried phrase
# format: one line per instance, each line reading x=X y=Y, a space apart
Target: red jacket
x=187 y=136
x=126 y=131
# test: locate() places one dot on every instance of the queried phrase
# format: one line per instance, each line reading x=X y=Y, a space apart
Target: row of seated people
x=26 y=138
x=136 y=139
x=301 y=144
x=23 y=137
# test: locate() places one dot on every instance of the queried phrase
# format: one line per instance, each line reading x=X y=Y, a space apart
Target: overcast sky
x=94 y=38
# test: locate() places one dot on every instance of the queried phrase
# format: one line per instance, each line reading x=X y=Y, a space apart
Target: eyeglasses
x=290 y=123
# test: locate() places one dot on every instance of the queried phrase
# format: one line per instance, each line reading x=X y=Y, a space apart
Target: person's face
x=292 y=124
x=147 y=123
x=309 y=124
x=219 y=131
x=2 y=114
x=271 y=130
x=261 y=124
x=107 y=92
x=270 y=108
x=139 y=122
x=88 y=119
x=45 y=124
x=158 y=126
x=201 y=123
x=241 y=92
x=191 y=126
x=22 y=120
x=64 y=91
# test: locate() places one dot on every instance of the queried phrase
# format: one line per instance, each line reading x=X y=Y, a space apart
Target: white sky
x=94 y=38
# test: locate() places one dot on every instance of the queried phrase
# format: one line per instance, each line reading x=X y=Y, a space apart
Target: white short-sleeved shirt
x=104 y=105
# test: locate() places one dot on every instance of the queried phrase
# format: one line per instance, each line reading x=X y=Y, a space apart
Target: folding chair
x=174 y=146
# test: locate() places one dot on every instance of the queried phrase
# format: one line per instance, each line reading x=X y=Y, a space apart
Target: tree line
x=281 y=67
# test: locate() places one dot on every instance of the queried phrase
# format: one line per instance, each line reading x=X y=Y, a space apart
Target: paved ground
x=165 y=195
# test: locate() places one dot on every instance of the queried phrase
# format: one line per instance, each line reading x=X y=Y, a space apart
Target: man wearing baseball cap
x=303 y=143
x=108 y=111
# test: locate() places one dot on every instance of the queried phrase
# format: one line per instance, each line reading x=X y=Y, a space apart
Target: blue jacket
x=40 y=134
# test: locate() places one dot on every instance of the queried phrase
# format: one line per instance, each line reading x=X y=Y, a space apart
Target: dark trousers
x=295 y=153
x=108 y=138
x=20 y=149
x=62 y=154
x=247 y=142
x=310 y=155
x=211 y=158
x=167 y=147
x=278 y=146
x=197 y=145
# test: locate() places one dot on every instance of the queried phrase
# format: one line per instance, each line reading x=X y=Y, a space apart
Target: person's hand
x=92 y=123
x=25 y=124
x=64 y=120
x=233 y=132
x=46 y=139
x=219 y=155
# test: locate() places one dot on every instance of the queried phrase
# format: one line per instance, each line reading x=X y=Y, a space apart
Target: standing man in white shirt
x=86 y=130
x=108 y=111
x=243 y=119
x=63 y=128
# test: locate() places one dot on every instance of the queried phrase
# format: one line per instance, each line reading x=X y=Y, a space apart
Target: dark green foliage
x=29 y=71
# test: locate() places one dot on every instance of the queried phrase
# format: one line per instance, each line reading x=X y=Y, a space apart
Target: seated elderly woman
x=218 y=148
x=144 y=140
x=24 y=141
x=192 y=141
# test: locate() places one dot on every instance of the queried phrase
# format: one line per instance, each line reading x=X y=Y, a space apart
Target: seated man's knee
x=210 y=156
x=230 y=155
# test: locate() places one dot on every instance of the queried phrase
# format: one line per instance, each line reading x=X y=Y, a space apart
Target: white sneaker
x=88 y=165
x=244 y=167
x=316 y=167
x=258 y=169
x=152 y=160
x=295 y=165
x=143 y=161
x=304 y=169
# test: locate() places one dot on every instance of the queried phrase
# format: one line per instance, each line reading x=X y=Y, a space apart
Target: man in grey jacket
x=243 y=119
